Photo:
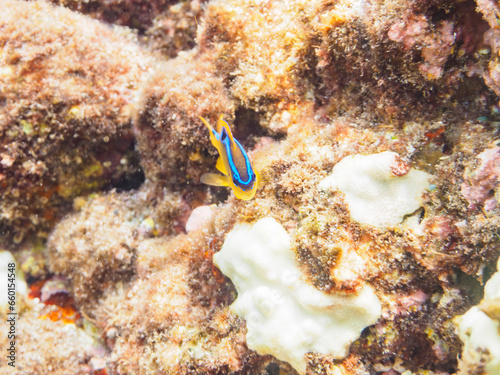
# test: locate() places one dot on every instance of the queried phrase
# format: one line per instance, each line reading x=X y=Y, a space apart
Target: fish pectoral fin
x=259 y=181
x=220 y=166
x=214 y=179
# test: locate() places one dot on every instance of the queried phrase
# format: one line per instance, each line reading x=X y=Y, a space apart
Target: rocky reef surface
x=374 y=126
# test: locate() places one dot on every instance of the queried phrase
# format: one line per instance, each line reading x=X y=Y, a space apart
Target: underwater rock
x=491 y=13
x=98 y=242
x=137 y=14
x=165 y=26
x=174 y=30
x=172 y=317
x=67 y=348
x=286 y=317
x=481 y=188
x=161 y=326
x=67 y=87
x=172 y=141
x=387 y=55
x=264 y=53
x=101 y=239
x=157 y=292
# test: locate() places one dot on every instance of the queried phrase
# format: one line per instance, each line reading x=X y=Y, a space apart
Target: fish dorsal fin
x=213 y=135
x=215 y=179
x=220 y=166
x=220 y=124
x=209 y=127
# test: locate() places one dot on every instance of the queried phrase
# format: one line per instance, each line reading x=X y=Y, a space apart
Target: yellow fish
x=233 y=162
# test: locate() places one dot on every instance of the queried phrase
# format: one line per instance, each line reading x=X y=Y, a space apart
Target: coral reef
x=174 y=30
x=165 y=26
x=399 y=59
x=102 y=151
x=137 y=14
x=72 y=349
x=491 y=13
x=392 y=59
x=65 y=111
x=271 y=80
x=155 y=294
x=482 y=187
x=85 y=236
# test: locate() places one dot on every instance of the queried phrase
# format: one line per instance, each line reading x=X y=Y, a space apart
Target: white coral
x=285 y=316
x=379 y=189
x=480 y=333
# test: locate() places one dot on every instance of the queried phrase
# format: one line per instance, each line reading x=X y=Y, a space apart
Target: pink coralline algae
x=481 y=187
x=491 y=13
x=409 y=32
x=399 y=167
x=436 y=45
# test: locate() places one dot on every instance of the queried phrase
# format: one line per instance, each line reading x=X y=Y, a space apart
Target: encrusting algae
x=65 y=111
x=103 y=157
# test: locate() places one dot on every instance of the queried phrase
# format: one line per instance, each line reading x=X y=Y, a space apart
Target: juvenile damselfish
x=233 y=162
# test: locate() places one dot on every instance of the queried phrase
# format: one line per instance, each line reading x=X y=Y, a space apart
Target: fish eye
x=223 y=135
